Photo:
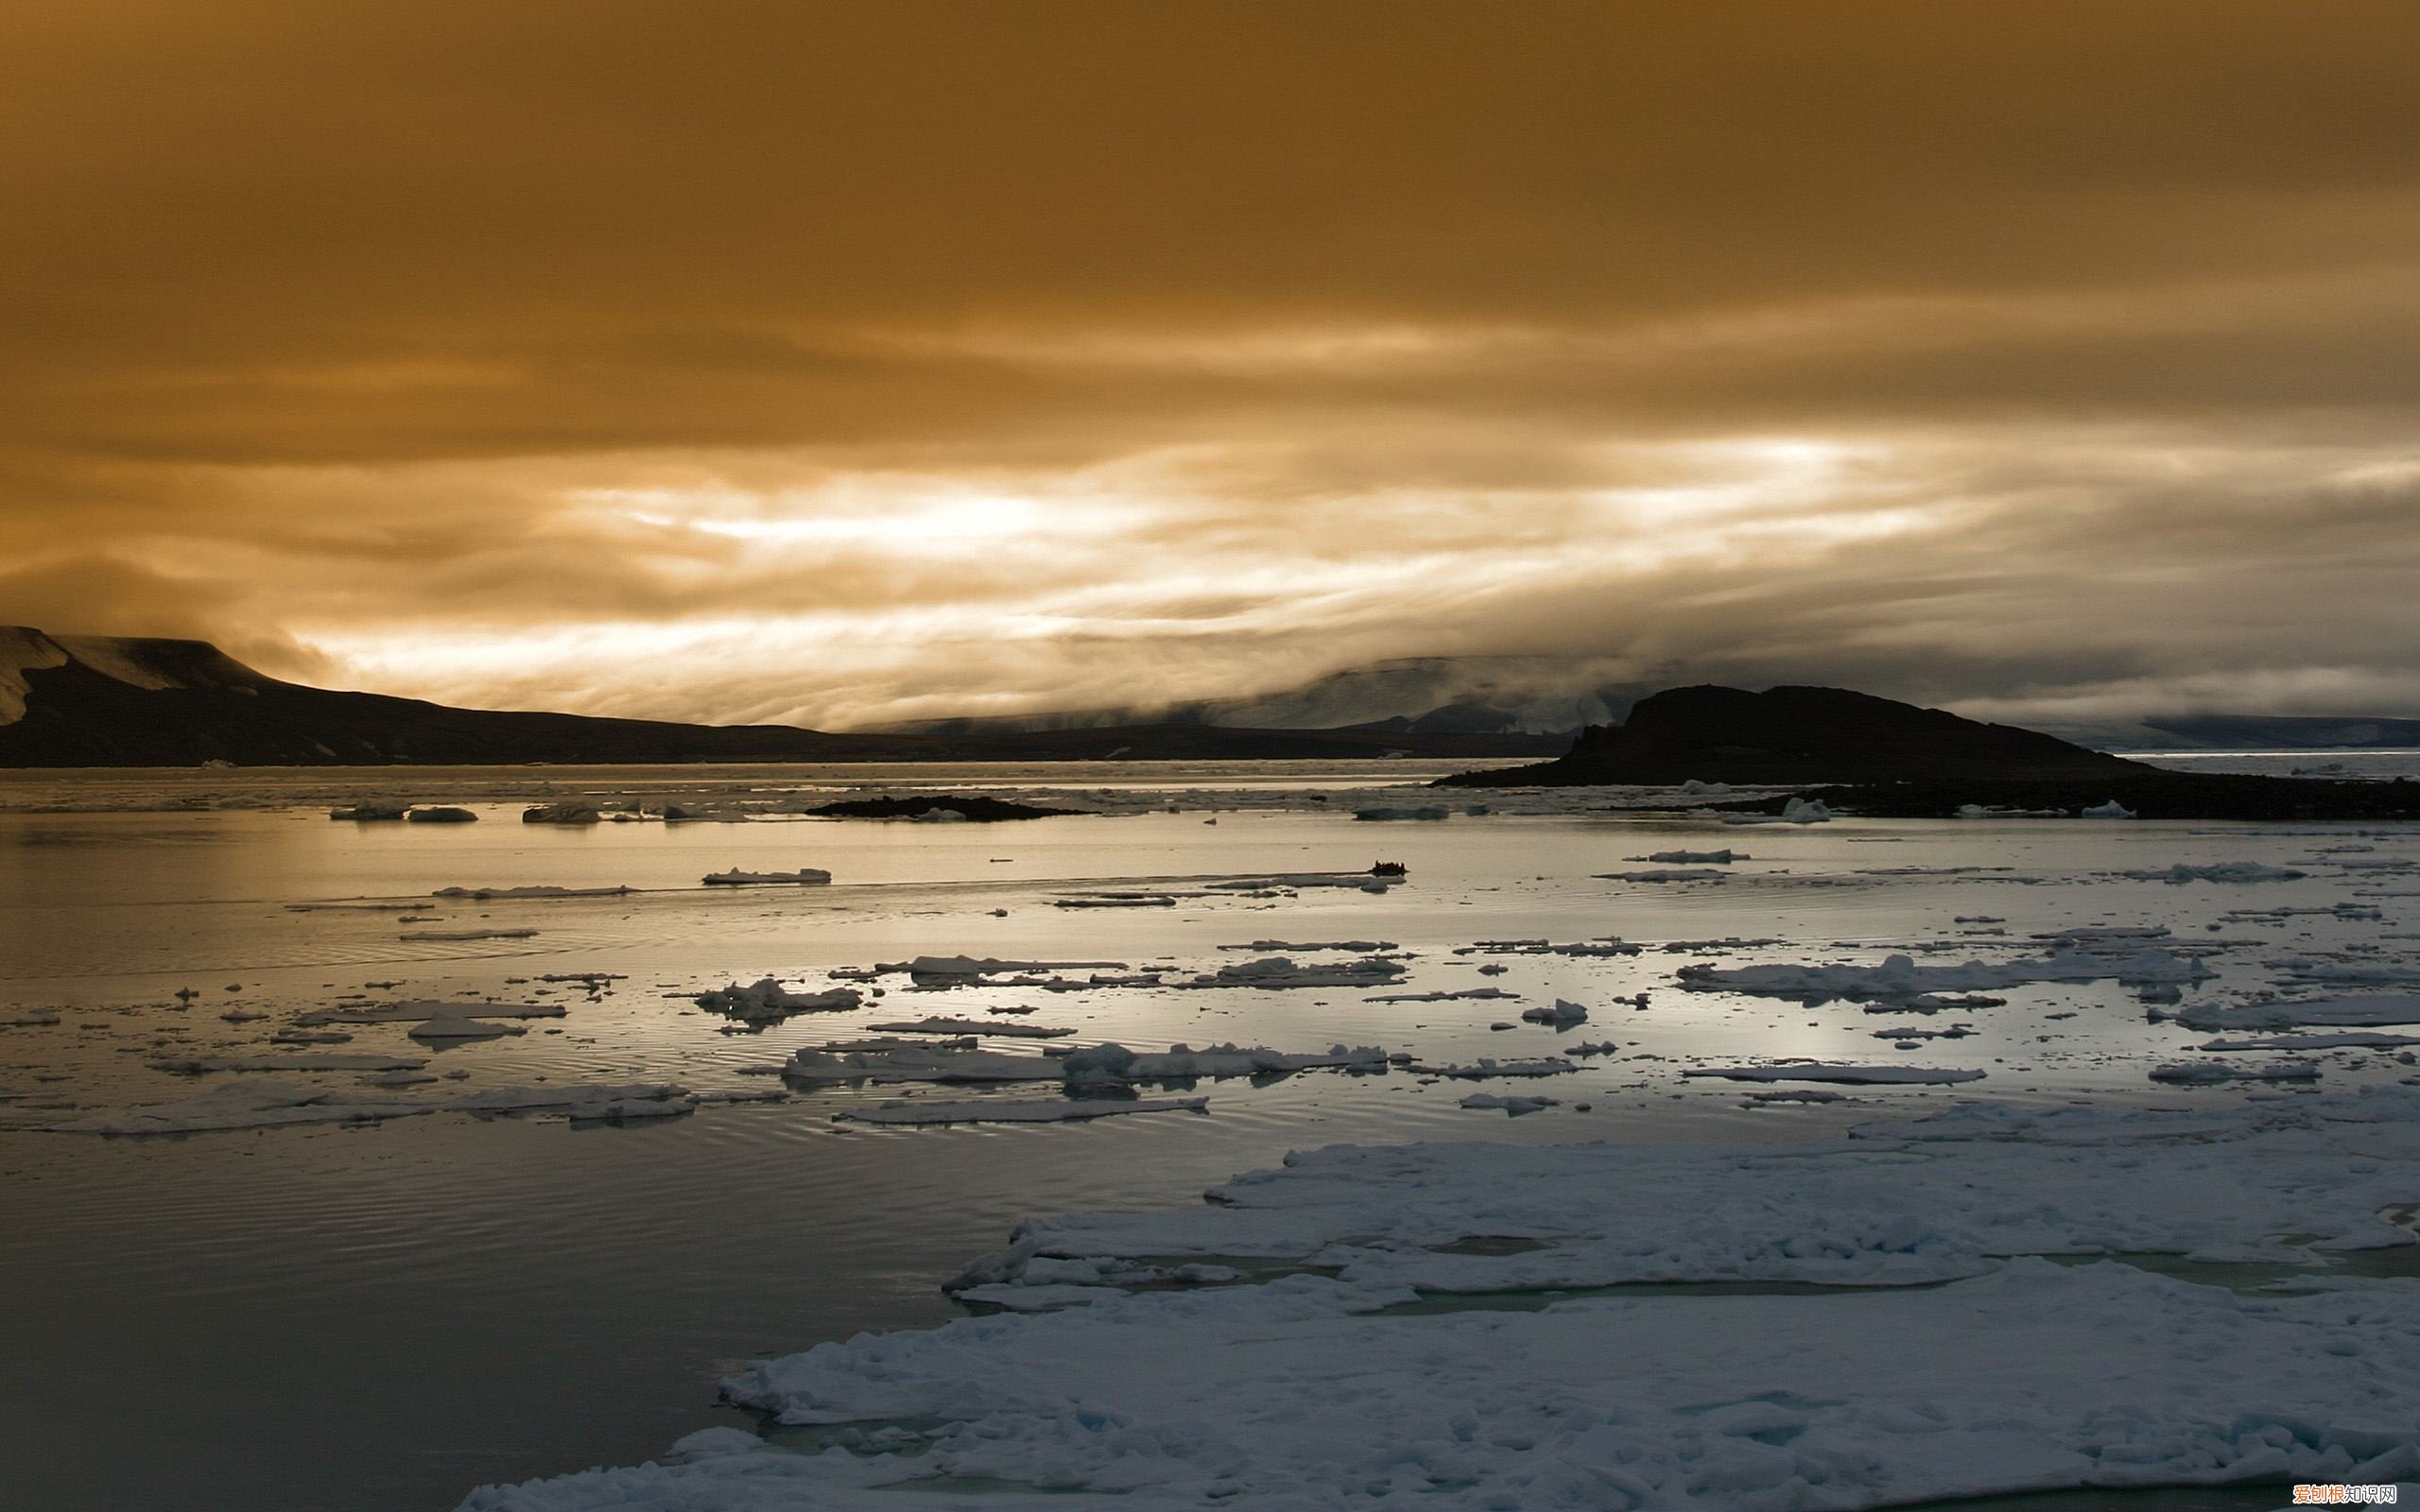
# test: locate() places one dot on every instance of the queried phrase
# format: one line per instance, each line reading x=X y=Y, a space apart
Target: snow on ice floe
x=1356 y=947
x=962 y=971
x=803 y=876
x=1046 y=1110
x=1667 y=874
x=456 y=1026
x=1484 y=1068
x=1093 y=1066
x=1514 y=1107
x=2356 y=1011
x=2236 y=872
x=1823 y=1072
x=766 y=1001
x=2215 y=1073
x=422 y=1008
x=1277 y=972
x=1301 y=1391
x=974 y=1027
x=206 y=1064
x=240 y=1105
x=526 y=894
x=1796 y=811
x=1561 y=1017
x=1901 y=976
x=2354 y=1041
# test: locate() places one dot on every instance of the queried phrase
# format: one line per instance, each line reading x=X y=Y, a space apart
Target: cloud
x=844 y=363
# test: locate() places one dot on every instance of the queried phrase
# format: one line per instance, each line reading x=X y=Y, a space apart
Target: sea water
x=380 y=1316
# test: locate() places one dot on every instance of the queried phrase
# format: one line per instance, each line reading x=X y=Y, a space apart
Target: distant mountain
x=2247 y=733
x=102 y=701
x=1481 y=695
x=1798 y=734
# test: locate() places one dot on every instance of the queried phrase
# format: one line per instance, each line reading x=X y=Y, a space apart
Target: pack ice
x=1265 y=1353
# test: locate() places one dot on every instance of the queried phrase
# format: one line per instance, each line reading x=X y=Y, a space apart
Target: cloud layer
x=849 y=363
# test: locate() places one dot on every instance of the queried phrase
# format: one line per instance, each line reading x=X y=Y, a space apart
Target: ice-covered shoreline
x=1432 y=1325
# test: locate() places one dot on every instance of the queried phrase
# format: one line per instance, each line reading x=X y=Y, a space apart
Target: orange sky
x=839 y=363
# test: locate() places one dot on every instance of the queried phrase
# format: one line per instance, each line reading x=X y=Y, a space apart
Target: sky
x=848 y=363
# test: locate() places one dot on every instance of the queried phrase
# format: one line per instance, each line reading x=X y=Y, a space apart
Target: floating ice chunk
x=766 y=1001
x=1794 y=810
x=1694 y=858
x=2355 y=1040
x=310 y=1037
x=456 y=1026
x=1514 y=1107
x=1280 y=972
x=1428 y=812
x=630 y=1101
x=1102 y=1064
x=941 y=970
x=2103 y=934
x=1603 y=1047
x=1359 y=946
x=1484 y=1068
x=806 y=876
x=442 y=816
x=371 y=811
x=302 y=1063
x=425 y=1008
x=938 y=815
x=524 y=894
x=919 y=1062
x=1697 y=789
x=975 y=1026
x=2210 y=1072
x=1817 y=1071
x=1666 y=875
x=462 y=935
x=1901 y=976
x=2236 y=871
x=2111 y=809
x=2374 y=1009
x=1296 y=881
x=1561 y=1017
x=1472 y=993
x=1988 y=810
x=30 y=1019
x=1050 y=1111
x=1116 y=900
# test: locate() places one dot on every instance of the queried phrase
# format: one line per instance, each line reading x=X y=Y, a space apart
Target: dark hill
x=97 y=701
x=1795 y=735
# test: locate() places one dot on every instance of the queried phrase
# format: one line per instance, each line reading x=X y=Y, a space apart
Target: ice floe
x=2364 y=1009
x=2212 y=1073
x=1515 y=1106
x=766 y=1001
x=1823 y=1072
x=974 y=1027
x=1667 y=874
x=2236 y=871
x=305 y=1062
x=1310 y=1391
x=1277 y=972
x=1901 y=976
x=1049 y=1110
x=806 y=876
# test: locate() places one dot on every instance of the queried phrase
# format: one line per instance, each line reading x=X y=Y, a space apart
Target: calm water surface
x=380 y=1316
